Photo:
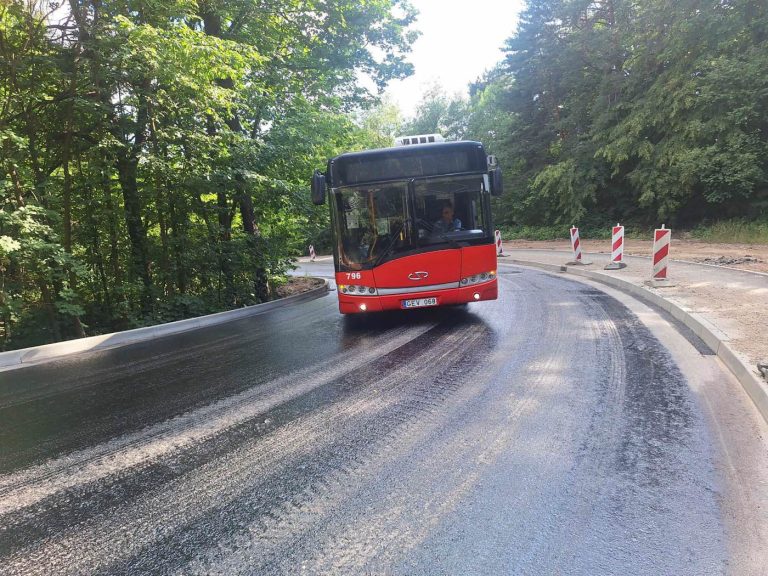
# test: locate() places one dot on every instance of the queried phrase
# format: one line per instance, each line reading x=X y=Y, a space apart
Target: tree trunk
x=178 y=235
x=226 y=216
x=50 y=310
x=127 y=167
x=7 y=313
x=17 y=191
x=212 y=27
x=166 y=272
x=77 y=325
x=128 y=170
x=260 y=277
x=112 y=223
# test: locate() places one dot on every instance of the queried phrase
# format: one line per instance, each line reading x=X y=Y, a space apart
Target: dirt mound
x=297 y=285
x=729 y=260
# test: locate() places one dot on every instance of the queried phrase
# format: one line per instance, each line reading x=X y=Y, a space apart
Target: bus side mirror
x=497 y=182
x=318 y=188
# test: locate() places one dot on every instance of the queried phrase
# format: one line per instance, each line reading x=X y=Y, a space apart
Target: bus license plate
x=419 y=303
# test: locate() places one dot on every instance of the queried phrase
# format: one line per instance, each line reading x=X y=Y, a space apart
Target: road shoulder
x=738 y=434
x=15 y=359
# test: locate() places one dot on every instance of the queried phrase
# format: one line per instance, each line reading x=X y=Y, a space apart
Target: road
x=558 y=430
x=734 y=301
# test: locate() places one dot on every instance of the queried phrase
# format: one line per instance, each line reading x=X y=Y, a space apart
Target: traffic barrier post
x=617 y=248
x=578 y=260
x=662 y=238
x=499 y=248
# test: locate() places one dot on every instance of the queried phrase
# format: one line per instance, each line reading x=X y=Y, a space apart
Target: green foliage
x=155 y=156
x=379 y=126
x=567 y=188
x=618 y=110
x=33 y=262
x=439 y=114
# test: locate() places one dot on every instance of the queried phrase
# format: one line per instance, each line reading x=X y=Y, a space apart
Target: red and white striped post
x=576 y=246
x=311 y=253
x=662 y=238
x=499 y=248
x=617 y=248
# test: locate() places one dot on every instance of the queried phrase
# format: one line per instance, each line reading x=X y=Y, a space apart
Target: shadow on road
x=355 y=324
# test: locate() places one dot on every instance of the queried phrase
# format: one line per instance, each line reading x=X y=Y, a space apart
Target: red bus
x=411 y=225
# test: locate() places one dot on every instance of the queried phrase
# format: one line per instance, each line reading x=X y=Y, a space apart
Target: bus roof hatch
x=418 y=139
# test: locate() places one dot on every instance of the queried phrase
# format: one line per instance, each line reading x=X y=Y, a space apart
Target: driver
x=447 y=222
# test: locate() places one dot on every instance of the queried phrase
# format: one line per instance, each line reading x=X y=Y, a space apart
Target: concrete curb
x=568 y=253
x=710 y=334
x=37 y=354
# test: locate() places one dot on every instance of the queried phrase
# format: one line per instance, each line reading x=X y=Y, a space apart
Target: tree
x=609 y=109
x=162 y=148
x=437 y=113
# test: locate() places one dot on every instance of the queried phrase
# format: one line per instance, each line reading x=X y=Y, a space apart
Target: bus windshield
x=377 y=222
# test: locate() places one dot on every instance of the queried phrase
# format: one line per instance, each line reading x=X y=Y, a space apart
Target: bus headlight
x=357 y=290
x=479 y=278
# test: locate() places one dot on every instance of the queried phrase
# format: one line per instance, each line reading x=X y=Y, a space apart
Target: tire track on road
x=26 y=488
x=545 y=432
x=211 y=486
x=138 y=390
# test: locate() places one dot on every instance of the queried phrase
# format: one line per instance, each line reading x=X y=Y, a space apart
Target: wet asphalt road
x=548 y=432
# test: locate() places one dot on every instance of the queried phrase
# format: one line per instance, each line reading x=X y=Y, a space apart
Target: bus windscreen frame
x=381 y=165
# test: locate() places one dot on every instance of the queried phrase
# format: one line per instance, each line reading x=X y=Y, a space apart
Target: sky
x=460 y=40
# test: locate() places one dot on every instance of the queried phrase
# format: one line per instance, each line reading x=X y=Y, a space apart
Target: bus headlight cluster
x=478 y=278
x=357 y=290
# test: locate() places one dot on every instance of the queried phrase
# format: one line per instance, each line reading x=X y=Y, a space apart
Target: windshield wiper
x=391 y=246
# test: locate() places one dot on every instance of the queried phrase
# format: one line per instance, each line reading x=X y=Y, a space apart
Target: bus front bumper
x=349 y=304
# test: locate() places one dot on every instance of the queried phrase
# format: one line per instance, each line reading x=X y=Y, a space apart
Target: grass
x=732 y=231
x=558 y=232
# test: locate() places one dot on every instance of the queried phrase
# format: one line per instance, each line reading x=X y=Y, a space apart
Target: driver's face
x=447 y=213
